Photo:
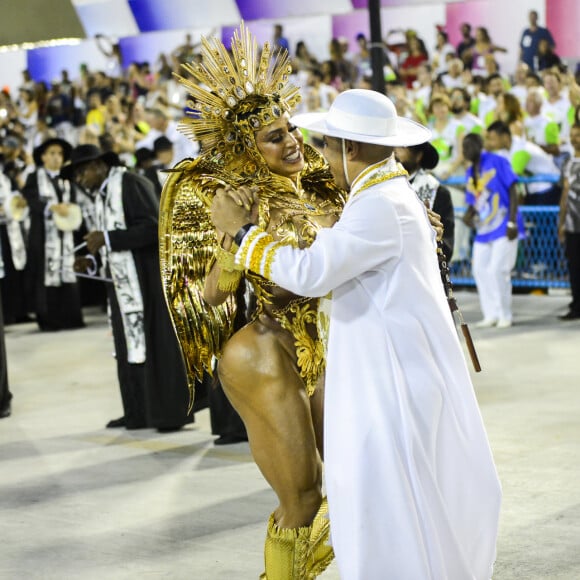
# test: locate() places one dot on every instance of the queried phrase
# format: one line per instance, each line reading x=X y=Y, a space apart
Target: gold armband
x=231 y=273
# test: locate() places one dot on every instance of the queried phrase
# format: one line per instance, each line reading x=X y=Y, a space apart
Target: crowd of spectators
x=455 y=90
x=126 y=109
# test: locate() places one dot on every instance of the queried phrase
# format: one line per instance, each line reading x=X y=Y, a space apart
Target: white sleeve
x=367 y=235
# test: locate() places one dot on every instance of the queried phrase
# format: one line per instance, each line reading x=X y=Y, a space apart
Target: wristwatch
x=512 y=225
x=241 y=234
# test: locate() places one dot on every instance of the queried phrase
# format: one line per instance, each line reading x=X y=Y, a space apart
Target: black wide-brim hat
x=430 y=156
x=39 y=151
x=85 y=154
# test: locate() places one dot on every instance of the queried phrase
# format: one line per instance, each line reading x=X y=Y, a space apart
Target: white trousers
x=492 y=263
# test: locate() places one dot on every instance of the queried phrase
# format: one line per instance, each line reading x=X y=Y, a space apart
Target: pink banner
x=349 y=25
x=474 y=13
x=563 y=18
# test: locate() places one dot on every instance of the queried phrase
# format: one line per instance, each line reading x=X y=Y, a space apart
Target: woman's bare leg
x=260 y=379
x=317 y=412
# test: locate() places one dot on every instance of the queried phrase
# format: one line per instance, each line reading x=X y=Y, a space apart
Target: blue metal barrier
x=541 y=262
x=455 y=180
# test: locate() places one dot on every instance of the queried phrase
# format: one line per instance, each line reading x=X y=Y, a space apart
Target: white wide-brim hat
x=365 y=116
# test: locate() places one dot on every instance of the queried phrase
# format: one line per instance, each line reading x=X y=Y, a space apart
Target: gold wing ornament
x=233 y=94
x=187 y=246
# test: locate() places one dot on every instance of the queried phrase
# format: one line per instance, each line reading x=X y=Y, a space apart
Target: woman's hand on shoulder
x=233 y=208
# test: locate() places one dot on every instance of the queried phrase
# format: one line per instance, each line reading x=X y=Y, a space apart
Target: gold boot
x=298 y=553
x=321 y=553
x=286 y=552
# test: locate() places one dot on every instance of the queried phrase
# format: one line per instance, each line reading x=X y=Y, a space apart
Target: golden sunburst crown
x=235 y=94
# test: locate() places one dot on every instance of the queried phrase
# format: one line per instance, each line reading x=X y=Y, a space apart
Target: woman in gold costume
x=271 y=369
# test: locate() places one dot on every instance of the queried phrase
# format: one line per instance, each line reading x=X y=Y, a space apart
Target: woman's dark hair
x=474 y=138
x=332 y=69
x=484 y=33
x=473 y=141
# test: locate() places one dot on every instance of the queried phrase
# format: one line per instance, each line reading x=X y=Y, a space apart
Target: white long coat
x=412 y=488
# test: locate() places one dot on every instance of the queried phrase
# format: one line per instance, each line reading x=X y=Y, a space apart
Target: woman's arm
x=512 y=228
x=212 y=293
x=469 y=216
x=496 y=48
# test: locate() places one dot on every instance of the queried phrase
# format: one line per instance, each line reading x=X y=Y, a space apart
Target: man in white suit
x=412 y=487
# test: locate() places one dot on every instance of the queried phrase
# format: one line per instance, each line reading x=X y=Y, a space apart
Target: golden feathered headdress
x=234 y=95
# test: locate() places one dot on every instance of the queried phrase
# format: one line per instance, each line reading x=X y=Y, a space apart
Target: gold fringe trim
x=247 y=243
x=270 y=255
x=258 y=252
x=226 y=259
x=231 y=273
x=381 y=178
x=229 y=281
